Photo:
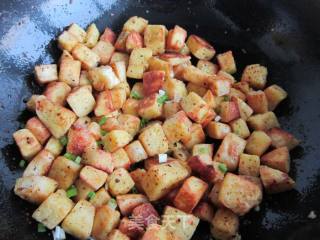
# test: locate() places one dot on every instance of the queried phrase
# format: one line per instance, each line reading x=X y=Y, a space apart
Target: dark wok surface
x=283 y=35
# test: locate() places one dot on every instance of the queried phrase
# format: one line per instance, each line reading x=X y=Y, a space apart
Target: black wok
x=282 y=35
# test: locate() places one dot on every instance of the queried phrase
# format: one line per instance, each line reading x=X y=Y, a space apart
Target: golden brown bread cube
x=98 y=159
x=64 y=172
x=35 y=189
x=81 y=101
x=258 y=143
x=128 y=202
x=108 y=36
x=181 y=224
x=263 y=121
x=78 y=32
x=176 y=39
x=54 y=209
x=69 y=72
x=118 y=57
x=177 y=127
x=149 y=107
x=120 y=182
x=120 y=43
x=138 y=62
x=67 y=41
x=40 y=164
x=200 y=48
x=195 y=107
x=95 y=178
x=83 y=190
x=175 y=58
x=54 y=146
x=192 y=74
x=249 y=165
x=28 y=144
x=278 y=158
x=134 y=40
x=79 y=221
x=196 y=136
x=225 y=224
x=138 y=177
x=217 y=130
x=155 y=38
x=244 y=109
x=86 y=56
x=175 y=89
x=229 y=151
x=281 y=138
x=275 y=94
x=135 y=23
x=236 y=93
x=92 y=36
x=105 y=220
x=101 y=198
x=207 y=67
x=154 y=140
x=156 y=63
x=192 y=87
x=56 y=118
x=228 y=111
x=161 y=179
x=239 y=194
x=116 y=139
x=131 y=106
x=104 y=50
x=121 y=159
x=57 y=92
x=120 y=70
x=136 y=151
x=220 y=86
x=46 y=73
x=38 y=129
x=275 y=181
x=190 y=194
x=170 y=108
x=255 y=75
x=103 y=78
x=240 y=128
x=226 y=62
x=258 y=101
x=31 y=104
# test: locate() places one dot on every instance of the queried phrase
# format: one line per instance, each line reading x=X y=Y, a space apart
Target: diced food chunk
x=278 y=158
x=136 y=151
x=116 y=139
x=239 y=194
x=258 y=143
x=81 y=101
x=120 y=182
x=255 y=75
x=54 y=209
x=200 y=48
x=154 y=140
x=226 y=62
x=95 y=178
x=275 y=94
x=275 y=181
x=281 y=138
x=225 y=224
x=155 y=38
x=46 y=73
x=28 y=144
x=86 y=56
x=70 y=72
x=249 y=165
x=138 y=62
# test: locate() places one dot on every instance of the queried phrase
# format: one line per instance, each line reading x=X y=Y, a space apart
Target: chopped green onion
x=226 y=98
x=70 y=156
x=78 y=160
x=103 y=132
x=134 y=190
x=22 y=163
x=72 y=191
x=135 y=95
x=100 y=143
x=41 y=228
x=143 y=122
x=223 y=168
x=112 y=203
x=91 y=195
x=103 y=120
x=163 y=98
x=63 y=140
